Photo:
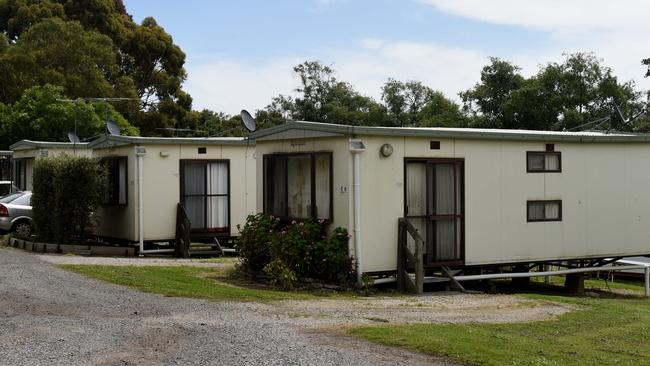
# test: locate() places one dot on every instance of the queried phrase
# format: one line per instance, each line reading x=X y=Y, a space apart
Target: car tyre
x=23 y=229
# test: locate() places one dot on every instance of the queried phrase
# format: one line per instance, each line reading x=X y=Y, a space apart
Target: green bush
x=67 y=190
x=254 y=240
x=286 y=252
x=43 y=203
x=280 y=275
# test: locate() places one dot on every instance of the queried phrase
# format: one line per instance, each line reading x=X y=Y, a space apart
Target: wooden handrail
x=404 y=255
x=183 y=237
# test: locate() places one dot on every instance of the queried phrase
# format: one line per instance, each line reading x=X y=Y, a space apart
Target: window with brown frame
x=538 y=211
x=434 y=204
x=205 y=195
x=20 y=173
x=117 y=180
x=543 y=162
x=298 y=186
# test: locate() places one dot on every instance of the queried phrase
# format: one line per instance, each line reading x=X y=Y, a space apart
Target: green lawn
x=196 y=282
x=602 y=331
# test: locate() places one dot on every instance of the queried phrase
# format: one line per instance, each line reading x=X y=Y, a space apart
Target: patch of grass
x=195 y=282
x=596 y=283
x=226 y=260
x=601 y=331
x=378 y=320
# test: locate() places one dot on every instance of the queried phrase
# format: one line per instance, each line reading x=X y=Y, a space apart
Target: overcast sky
x=240 y=53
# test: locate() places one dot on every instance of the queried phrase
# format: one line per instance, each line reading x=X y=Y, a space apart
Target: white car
x=16 y=214
x=7 y=187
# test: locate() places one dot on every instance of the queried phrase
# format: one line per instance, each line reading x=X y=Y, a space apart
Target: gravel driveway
x=50 y=316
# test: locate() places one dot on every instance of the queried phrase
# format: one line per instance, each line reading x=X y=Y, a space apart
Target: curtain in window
x=536 y=211
x=552 y=161
x=552 y=211
x=29 y=171
x=416 y=189
x=217 y=205
x=275 y=184
x=536 y=162
x=443 y=229
x=444 y=189
x=194 y=184
x=299 y=186
x=122 y=182
x=433 y=192
x=445 y=239
x=323 y=184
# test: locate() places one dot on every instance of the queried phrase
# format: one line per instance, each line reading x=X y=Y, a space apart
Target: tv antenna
x=177 y=130
x=615 y=119
x=111 y=126
x=247 y=120
x=617 y=116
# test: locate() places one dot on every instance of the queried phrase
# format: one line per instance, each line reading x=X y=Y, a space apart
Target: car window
x=4 y=189
x=11 y=197
x=25 y=200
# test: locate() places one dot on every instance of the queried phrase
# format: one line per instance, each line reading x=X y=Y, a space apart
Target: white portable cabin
x=478 y=197
x=214 y=178
x=26 y=152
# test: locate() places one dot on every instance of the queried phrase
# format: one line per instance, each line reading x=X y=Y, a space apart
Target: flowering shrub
x=287 y=252
x=254 y=240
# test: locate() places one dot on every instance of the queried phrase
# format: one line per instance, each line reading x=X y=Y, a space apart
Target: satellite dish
x=72 y=137
x=249 y=121
x=113 y=128
x=619 y=115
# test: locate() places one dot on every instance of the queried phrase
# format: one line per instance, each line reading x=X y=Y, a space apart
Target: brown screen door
x=434 y=204
x=205 y=192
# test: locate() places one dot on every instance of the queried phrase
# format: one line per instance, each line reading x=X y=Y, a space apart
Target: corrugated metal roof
x=137 y=140
x=29 y=144
x=464 y=133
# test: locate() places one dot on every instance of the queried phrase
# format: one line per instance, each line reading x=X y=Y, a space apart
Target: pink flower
x=293 y=222
x=302 y=224
x=349 y=236
x=320 y=221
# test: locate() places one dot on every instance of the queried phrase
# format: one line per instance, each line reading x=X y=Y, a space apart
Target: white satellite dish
x=72 y=137
x=249 y=121
x=113 y=128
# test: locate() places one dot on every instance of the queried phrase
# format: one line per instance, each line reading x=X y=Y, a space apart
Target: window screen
x=116 y=171
x=298 y=185
x=540 y=162
x=544 y=211
x=205 y=194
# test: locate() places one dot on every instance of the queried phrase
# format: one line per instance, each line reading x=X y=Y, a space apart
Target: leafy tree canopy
x=41 y=115
x=119 y=58
x=560 y=96
x=323 y=98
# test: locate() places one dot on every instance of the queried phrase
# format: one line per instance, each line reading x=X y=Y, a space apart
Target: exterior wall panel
x=605 y=202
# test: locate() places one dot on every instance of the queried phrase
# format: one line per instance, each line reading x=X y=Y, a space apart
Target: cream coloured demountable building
x=476 y=197
x=26 y=152
x=214 y=179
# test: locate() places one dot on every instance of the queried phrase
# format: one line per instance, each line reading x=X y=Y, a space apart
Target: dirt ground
x=51 y=316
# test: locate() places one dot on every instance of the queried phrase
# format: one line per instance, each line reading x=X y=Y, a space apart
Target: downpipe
x=356 y=148
x=140 y=152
